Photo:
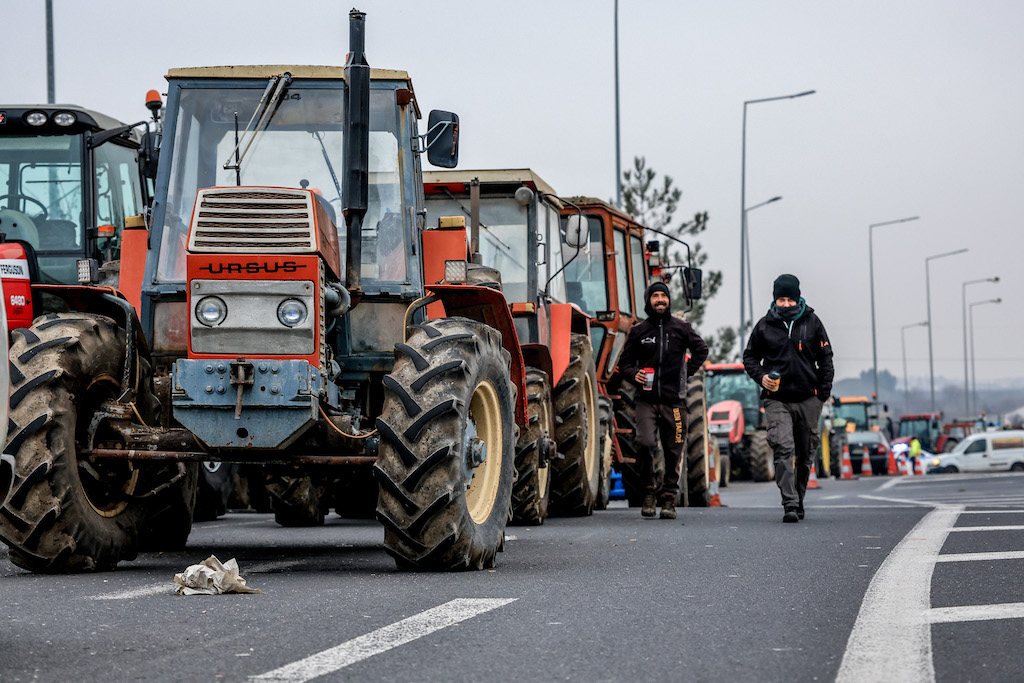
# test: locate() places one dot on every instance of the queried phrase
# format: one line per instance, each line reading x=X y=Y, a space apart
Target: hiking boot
x=648 y=508
x=668 y=509
x=791 y=516
x=800 y=512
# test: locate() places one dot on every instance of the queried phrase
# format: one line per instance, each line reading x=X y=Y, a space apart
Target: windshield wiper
x=265 y=110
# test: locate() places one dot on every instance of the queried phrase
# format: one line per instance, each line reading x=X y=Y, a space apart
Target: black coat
x=799 y=351
x=661 y=342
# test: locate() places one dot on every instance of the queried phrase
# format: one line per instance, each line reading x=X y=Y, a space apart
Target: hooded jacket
x=661 y=342
x=797 y=350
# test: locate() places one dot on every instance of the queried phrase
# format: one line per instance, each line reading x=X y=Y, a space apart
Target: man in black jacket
x=653 y=359
x=791 y=341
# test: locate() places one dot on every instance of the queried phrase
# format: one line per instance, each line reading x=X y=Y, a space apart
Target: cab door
x=975 y=456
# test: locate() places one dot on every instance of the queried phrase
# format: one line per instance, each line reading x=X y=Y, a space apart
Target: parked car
x=878 y=451
x=986 y=452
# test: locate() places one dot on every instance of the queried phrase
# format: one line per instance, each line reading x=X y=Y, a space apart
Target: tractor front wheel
x=532 y=489
x=578 y=471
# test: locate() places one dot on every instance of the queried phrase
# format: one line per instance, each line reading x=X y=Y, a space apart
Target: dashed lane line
x=383 y=639
x=981 y=557
x=947 y=615
x=993 y=512
x=167 y=587
x=891 y=639
x=1004 y=527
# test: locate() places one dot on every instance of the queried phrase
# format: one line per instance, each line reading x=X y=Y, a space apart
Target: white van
x=985 y=452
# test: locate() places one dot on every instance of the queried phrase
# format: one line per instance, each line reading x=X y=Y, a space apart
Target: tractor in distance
x=251 y=325
x=607 y=279
x=515 y=232
x=736 y=420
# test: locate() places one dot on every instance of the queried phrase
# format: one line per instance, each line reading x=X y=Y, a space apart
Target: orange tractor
x=273 y=309
x=607 y=279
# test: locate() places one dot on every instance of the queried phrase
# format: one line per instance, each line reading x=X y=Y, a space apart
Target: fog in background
x=918 y=111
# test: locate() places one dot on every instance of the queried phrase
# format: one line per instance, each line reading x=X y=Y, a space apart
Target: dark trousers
x=667 y=421
x=794 y=435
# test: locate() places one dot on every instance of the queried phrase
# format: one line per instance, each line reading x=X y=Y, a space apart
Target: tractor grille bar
x=253 y=221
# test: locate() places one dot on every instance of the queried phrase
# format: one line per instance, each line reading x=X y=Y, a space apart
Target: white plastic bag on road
x=212 y=578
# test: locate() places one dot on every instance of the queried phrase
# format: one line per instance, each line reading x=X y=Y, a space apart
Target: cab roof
x=458 y=180
x=584 y=202
x=96 y=120
x=265 y=71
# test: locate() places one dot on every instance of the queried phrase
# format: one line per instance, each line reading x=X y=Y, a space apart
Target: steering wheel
x=42 y=207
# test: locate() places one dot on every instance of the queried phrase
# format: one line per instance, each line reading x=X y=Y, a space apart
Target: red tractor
x=736 y=420
x=273 y=309
x=607 y=279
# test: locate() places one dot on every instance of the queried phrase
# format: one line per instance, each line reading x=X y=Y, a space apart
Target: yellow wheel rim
x=593 y=438
x=544 y=473
x=485 y=420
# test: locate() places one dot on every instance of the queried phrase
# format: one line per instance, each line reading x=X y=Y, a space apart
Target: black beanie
x=651 y=289
x=786 y=286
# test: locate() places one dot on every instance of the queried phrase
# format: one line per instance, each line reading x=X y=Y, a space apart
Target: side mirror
x=693 y=283
x=577 y=231
x=442 y=139
x=149 y=154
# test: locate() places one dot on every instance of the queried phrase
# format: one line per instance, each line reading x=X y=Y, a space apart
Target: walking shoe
x=800 y=511
x=648 y=508
x=668 y=509
x=791 y=516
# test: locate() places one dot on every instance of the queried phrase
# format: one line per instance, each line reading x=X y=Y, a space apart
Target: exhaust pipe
x=357 y=151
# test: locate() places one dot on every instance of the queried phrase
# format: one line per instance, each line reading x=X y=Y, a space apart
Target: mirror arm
x=424 y=144
x=99 y=138
x=565 y=265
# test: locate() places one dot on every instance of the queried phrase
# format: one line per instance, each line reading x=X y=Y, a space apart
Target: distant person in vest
x=653 y=358
x=789 y=355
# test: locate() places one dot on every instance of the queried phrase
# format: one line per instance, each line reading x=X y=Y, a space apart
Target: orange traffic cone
x=846 y=467
x=908 y=468
x=812 y=481
x=919 y=466
x=865 y=465
x=892 y=469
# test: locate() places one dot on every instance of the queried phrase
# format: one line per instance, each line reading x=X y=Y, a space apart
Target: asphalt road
x=882 y=581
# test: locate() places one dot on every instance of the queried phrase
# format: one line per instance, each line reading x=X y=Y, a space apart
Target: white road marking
x=979 y=557
x=946 y=615
x=992 y=512
x=383 y=639
x=833 y=497
x=891 y=639
x=169 y=586
x=1005 y=527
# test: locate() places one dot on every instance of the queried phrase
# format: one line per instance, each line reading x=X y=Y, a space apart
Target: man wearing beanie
x=791 y=341
x=653 y=358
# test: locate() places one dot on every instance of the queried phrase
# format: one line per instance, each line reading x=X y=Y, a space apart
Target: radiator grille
x=253 y=221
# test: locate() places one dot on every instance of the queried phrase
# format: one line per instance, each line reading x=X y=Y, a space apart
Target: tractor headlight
x=64 y=118
x=291 y=312
x=35 y=118
x=211 y=311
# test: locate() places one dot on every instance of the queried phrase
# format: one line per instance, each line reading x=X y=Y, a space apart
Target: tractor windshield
x=584 y=274
x=300 y=146
x=735 y=386
x=42 y=196
x=857 y=413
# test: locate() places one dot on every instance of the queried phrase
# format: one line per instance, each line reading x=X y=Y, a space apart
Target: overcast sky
x=918 y=112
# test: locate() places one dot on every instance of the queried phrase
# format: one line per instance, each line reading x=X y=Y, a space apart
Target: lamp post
x=906 y=383
x=928 y=295
x=750 y=279
x=967 y=395
x=743 y=199
x=974 y=377
x=871 y=271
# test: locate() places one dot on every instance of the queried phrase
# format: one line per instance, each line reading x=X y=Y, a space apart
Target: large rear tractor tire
x=66 y=514
x=532 y=490
x=297 y=500
x=577 y=473
x=836 y=445
x=447 y=447
x=762 y=460
x=698 y=480
x=723 y=466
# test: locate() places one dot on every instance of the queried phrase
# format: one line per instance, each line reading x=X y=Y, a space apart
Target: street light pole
x=974 y=377
x=50 y=91
x=967 y=395
x=618 y=144
x=928 y=295
x=906 y=382
x=871 y=270
x=743 y=201
x=750 y=278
